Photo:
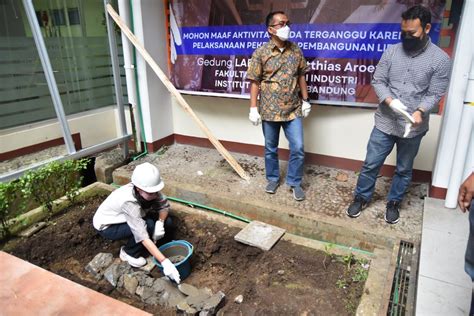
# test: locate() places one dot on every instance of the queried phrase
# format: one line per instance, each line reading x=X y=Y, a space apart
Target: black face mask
x=413 y=43
x=143 y=203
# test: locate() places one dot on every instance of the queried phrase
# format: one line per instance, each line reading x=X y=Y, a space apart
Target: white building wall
x=332 y=131
x=149 y=24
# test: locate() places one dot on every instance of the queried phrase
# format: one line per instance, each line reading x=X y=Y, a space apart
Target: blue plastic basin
x=180 y=248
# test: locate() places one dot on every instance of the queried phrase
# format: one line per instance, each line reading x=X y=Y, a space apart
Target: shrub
x=10 y=199
x=42 y=186
x=52 y=181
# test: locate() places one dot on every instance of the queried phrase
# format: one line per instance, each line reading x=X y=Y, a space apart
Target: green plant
x=341 y=283
x=361 y=271
x=348 y=260
x=360 y=274
x=52 y=181
x=327 y=253
x=8 y=198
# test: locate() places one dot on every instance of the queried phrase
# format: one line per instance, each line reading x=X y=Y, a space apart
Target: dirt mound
x=288 y=280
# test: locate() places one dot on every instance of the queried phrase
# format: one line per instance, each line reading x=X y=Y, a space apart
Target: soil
x=287 y=280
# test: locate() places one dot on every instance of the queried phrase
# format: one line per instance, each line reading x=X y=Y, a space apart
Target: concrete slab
x=442 y=257
x=29 y=290
x=444 y=288
x=439 y=218
x=260 y=235
x=441 y=298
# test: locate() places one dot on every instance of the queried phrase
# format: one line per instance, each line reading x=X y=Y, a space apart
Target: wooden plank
x=181 y=101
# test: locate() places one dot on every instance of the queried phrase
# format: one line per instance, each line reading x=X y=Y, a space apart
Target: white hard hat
x=147 y=177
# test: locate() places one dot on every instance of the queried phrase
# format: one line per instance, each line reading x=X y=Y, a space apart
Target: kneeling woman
x=137 y=211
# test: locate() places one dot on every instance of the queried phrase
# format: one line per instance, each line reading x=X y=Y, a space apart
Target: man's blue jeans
x=379 y=147
x=123 y=231
x=294 y=133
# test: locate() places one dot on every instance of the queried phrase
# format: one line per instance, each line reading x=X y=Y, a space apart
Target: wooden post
x=230 y=159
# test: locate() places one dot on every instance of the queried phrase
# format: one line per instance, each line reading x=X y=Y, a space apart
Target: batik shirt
x=277 y=72
x=417 y=80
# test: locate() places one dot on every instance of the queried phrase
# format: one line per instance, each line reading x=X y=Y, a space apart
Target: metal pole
x=80 y=154
x=48 y=71
x=116 y=72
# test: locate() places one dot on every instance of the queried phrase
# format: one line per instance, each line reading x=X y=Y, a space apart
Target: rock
x=342 y=177
x=33 y=229
x=158 y=285
x=99 y=264
x=239 y=299
x=185 y=308
x=170 y=296
x=149 y=266
x=281 y=272
x=197 y=301
x=145 y=293
x=140 y=276
x=188 y=289
x=148 y=282
x=211 y=305
x=130 y=283
x=115 y=271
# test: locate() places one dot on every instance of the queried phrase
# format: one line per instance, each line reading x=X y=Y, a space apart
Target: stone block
x=115 y=272
x=130 y=283
x=260 y=235
x=106 y=163
x=212 y=304
x=99 y=264
x=188 y=289
x=149 y=266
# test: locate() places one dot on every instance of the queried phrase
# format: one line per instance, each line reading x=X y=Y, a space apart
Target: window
x=73 y=15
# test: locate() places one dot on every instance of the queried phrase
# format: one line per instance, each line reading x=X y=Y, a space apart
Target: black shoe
x=356 y=207
x=298 y=193
x=271 y=187
x=392 y=213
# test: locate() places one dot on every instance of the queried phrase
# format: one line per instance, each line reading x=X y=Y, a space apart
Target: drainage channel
x=403 y=293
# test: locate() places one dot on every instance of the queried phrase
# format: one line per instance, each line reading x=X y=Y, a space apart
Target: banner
x=211 y=43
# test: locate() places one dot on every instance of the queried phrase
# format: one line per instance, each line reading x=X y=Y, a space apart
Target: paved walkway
x=26 y=289
x=443 y=286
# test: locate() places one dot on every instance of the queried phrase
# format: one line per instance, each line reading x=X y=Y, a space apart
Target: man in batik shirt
x=279 y=99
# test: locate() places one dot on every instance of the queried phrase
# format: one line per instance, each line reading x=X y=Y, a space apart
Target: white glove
x=305 y=108
x=407 y=129
x=175 y=36
x=159 y=231
x=170 y=270
x=254 y=116
x=397 y=106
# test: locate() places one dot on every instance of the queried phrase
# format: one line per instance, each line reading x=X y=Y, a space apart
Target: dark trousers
x=132 y=248
x=469 y=262
x=379 y=147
